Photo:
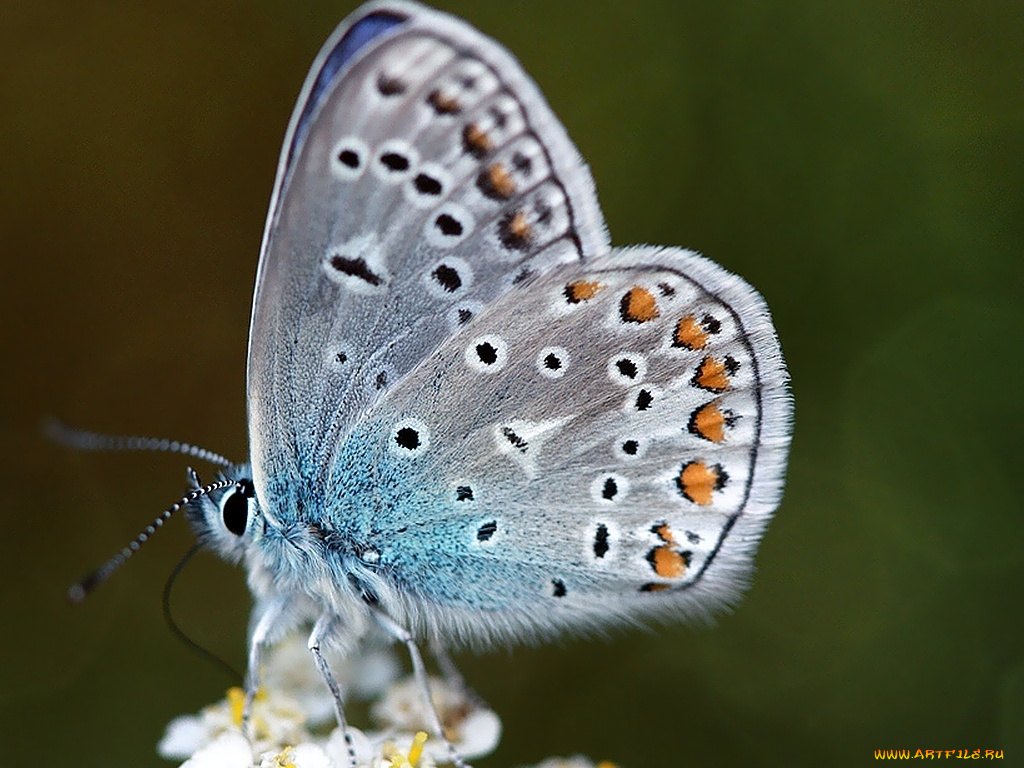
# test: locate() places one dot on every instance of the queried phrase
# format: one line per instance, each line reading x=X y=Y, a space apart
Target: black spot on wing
x=601 y=541
x=355 y=268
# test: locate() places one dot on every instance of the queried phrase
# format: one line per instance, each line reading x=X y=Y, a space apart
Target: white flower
x=228 y=750
x=411 y=756
x=288 y=726
x=473 y=730
x=302 y=756
x=337 y=749
x=276 y=719
x=184 y=736
x=289 y=667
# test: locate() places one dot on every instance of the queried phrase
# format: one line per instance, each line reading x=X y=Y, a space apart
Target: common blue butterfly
x=472 y=420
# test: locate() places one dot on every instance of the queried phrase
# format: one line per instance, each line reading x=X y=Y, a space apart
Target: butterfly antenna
x=206 y=653
x=78 y=592
x=82 y=440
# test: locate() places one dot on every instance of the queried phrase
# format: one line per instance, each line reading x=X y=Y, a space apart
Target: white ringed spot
x=449 y=225
x=630 y=447
x=609 y=488
x=349 y=158
x=448 y=278
x=427 y=185
x=487 y=354
x=627 y=369
x=409 y=438
x=552 y=362
x=395 y=161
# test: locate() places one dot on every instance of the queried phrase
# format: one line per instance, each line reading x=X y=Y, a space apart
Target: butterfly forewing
x=422 y=177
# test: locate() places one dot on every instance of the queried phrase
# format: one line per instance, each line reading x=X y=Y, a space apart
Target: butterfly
x=472 y=420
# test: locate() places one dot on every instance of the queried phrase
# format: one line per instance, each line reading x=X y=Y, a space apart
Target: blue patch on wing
x=359 y=34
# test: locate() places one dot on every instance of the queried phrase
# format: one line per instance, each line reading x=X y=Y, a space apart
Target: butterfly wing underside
x=605 y=442
x=422 y=176
x=512 y=428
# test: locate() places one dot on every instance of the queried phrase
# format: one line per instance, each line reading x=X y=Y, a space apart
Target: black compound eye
x=235 y=508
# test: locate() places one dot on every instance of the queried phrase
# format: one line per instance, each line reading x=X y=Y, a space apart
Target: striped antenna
x=78 y=592
x=82 y=440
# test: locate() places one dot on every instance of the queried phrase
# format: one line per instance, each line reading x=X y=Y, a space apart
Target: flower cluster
x=290 y=725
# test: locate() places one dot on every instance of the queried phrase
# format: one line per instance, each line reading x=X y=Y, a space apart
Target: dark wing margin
x=356 y=37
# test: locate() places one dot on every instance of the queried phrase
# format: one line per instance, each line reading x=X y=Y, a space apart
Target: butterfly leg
x=268 y=620
x=419 y=670
x=325 y=626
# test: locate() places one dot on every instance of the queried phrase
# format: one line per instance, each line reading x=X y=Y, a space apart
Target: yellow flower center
x=397 y=760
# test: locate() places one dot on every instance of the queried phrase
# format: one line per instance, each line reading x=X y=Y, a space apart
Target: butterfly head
x=228 y=520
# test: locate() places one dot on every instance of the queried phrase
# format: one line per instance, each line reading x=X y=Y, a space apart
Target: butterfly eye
x=234 y=507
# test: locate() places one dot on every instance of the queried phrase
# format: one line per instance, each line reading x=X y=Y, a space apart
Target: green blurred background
x=862 y=164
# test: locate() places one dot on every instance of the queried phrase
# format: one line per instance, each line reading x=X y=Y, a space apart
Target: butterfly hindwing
x=585 y=450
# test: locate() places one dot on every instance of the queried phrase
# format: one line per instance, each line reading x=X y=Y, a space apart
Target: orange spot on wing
x=666 y=562
x=664 y=533
x=476 y=140
x=514 y=231
x=689 y=334
x=581 y=290
x=500 y=182
x=639 y=305
x=711 y=375
x=708 y=422
x=519 y=226
x=443 y=105
x=697 y=481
